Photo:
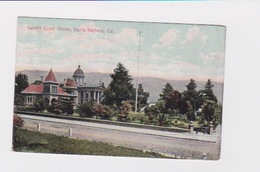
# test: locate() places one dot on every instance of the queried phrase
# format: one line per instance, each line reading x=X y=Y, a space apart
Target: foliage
x=152 y=113
x=40 y=105
x=211 y=111
x=173 y=100
x=65 y=145
x=18 y=100
x=142 y=97
x=217 y=119
x=209 y=94
x=37 y=82
x=59 y=106
x=138 y=117
x=17 y=121
x=191 y=91
x=124 y=111
x=85 y=109
x=102 y=111
x=191 y=116
x=161 y=106
x=120 y=88
x=163 y=120
x=29 y=108
x=55 y=107
x=208 y=110
x=21 y=82
x=180 y=124
x=167 y=89
x=67 y=105
x=192 y=85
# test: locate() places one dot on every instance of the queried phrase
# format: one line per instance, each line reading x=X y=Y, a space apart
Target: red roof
x=70 y=83
x=61 y=92
x=33 y=88
x=38 y=89
x=50 y=77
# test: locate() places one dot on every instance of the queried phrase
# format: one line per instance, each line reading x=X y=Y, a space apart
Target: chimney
x=41 y=78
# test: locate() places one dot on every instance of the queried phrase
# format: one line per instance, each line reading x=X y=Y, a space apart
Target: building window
x=46 y=89
x=29 y=99
x=54 y=89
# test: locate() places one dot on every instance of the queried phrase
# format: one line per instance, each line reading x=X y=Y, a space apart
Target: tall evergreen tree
x=166 y=90
x=192 y=85
x=190 y=96
x=21 y=82
x=142 y=96
x=120 y=88
x=209 y=93
x=171 y=97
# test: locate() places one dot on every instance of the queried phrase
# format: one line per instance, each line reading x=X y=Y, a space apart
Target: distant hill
x=150 y=84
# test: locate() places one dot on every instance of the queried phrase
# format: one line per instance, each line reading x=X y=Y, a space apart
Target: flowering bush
x=102 y=111
x=17 y=121
x=124 y=111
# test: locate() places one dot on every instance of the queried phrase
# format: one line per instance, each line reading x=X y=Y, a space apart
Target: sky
x=167 y=50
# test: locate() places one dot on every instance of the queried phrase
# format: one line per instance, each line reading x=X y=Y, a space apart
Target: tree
x=190 y=96
x=191 y=86
x=67 y=105
x=56 y=107
x=209 y=93
x=85 y=109
x=208 y=110
x=21 y=82
x=173 y=100
x=102 y=111
x=124 y=111
x=167 y=89
x=142 y=96
x=152 y=113
x=40 y=105
x=163 y=102
x=120 y=88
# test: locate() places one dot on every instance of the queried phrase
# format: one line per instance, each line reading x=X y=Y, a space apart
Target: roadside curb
x=178 y=130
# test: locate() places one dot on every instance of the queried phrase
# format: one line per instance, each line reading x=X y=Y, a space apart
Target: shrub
x=17 y=121
x=181 y=124
x=191 y=116
x=124 y=111
x=40 y=105
x=102 y=111
x=163 y=120
x=55 y=108
x=138 y=117
x=18 y=100
x=184 y=118
x=85 y=109
x=152 y=112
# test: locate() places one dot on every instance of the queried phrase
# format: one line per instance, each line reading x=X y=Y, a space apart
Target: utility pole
x=137 y=74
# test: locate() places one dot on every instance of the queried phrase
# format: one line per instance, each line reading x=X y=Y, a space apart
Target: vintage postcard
x=118 y=88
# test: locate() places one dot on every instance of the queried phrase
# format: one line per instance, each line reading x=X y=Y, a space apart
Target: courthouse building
x=51 y=90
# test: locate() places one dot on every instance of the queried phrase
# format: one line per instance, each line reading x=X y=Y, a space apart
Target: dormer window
x=46 y=89
x=54 y=89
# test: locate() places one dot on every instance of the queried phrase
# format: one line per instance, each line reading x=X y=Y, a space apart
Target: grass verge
x=33 y=141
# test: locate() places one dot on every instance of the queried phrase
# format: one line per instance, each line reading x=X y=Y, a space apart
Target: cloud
x=195 y=34
x=127 y=35
x=213 y=58
x=31 y=50
x=192 y=33
x=169 y=37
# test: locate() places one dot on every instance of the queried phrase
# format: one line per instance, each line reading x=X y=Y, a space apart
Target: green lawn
x=33 y=141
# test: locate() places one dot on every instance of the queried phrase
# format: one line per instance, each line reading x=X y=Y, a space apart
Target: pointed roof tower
x=50 y=77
